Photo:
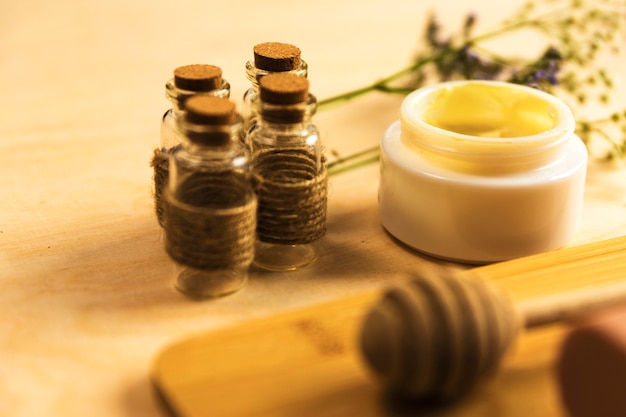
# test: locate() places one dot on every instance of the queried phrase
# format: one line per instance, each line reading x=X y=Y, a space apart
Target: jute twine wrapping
x=160 y=165
x=211 y=225
x=292 y=195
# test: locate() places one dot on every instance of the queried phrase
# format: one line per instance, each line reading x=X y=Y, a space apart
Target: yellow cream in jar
x=490 y=111
x=482 y=171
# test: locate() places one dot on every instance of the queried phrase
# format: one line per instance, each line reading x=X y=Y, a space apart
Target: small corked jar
x=270 y=58
x=210 y=203
x=187 y=81
x=290 y=175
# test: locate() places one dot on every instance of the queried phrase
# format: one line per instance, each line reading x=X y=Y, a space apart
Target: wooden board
x=307 y=362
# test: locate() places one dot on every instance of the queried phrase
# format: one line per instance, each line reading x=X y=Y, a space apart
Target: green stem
x=359 y=164
x=604 y=135
x=382 y=84
x=600 y=121
x=323 y=104
x=343 y=160
x=537 y=22
x=504 y=29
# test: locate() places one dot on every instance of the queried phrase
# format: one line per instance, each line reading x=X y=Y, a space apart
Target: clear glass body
x=289 y=157
x=250 y=106
x=481 y=199
x=211 y=216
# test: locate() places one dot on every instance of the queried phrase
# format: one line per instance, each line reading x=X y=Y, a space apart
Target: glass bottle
x=187 y=81
x=210 y=211
x=290 y=174
x=269 y=58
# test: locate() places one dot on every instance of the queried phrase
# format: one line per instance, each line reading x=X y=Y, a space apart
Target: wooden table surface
x=85 y=287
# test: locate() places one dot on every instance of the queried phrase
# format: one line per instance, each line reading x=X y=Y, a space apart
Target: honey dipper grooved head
x=433 y=337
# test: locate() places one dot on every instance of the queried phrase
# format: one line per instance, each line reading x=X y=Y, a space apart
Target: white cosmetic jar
x=477 y=199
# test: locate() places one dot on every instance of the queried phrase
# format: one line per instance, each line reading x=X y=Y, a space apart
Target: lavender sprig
x=577 y=33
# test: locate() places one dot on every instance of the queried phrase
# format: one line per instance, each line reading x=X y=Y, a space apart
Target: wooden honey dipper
x=433 y=337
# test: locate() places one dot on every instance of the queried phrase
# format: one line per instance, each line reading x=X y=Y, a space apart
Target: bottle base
x=277 y=257
x=197 y=283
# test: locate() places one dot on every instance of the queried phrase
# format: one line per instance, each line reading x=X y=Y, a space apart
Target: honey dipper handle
x=559 y=307
x=570 y=281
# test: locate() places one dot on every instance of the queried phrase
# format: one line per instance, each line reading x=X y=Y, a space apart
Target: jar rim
x=178 y=95
x=509 y=153
x=254 y=74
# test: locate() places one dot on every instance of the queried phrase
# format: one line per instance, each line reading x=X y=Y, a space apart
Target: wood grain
x=307 y=362
x=85 y=285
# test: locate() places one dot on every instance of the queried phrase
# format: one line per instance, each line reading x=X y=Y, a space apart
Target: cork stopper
x=276 y=56
x=198 y=77
x=209 y=119
x=284 y=88
x=204 y=109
